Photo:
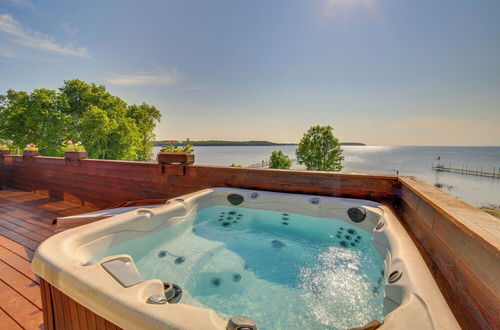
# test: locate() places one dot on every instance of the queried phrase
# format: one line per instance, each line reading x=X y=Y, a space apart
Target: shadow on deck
x=25 y=222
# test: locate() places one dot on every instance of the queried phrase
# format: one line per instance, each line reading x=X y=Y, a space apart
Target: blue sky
x=391 y=72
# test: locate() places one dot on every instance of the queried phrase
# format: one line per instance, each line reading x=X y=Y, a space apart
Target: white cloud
x=26 y=37
x=142 y=78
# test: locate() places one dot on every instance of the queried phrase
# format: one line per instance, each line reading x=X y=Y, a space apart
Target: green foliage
x=145 y=117
x=31 y=117
x=78 y=111
x=171 y=147
x=235 y=165
x=319 y=150
x=279 y=160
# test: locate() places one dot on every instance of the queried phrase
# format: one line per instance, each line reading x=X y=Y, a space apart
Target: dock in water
x=466 y=170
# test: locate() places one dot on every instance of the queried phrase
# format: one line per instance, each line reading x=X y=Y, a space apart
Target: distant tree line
x=78 y=111
x=221 y=143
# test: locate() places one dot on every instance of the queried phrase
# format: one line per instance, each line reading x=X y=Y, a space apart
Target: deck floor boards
x=25 y=222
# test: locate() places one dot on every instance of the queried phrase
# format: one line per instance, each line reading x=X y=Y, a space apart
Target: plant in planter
x=176 y=154
x=31 y=150
x=74 y=150
x=4 y=149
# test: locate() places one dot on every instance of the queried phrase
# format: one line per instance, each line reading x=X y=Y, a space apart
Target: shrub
x=279 y=160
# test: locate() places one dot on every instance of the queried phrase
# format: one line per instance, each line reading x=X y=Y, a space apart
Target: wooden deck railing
x=461 y=245
x=105 y=183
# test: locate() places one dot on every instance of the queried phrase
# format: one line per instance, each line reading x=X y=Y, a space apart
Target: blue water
x=405 y=160
x=286 y=271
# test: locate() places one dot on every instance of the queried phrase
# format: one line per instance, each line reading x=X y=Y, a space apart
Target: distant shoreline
x=242 y=143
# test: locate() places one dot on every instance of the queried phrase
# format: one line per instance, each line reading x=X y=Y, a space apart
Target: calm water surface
x=407 y=160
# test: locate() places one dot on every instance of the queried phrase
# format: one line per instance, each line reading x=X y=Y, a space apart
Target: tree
x=145 y=117
x=35 y=117
x=319 y=150
x=78 y=111
x=279 y=160
x=94 y=127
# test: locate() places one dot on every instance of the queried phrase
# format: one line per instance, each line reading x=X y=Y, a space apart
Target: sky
x=381 y=72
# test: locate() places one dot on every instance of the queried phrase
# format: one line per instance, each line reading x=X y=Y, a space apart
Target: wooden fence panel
x=105 y=183
x=460 y=244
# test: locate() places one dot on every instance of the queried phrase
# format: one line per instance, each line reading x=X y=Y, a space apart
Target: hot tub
x=285 y=261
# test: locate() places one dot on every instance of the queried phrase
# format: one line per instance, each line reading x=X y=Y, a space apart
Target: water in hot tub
x=286 y=271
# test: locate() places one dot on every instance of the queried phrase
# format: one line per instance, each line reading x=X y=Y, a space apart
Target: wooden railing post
x=175 y=162
x=3 y=153
x=75 y=155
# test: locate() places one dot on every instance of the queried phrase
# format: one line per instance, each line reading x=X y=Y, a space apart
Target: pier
x=466 y=170
x=265 y=164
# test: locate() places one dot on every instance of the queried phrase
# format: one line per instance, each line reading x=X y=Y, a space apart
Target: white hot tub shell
x=413 y=301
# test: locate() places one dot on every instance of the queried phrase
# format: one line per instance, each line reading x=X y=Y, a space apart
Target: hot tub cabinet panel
x=62 y=312
x=74 y=286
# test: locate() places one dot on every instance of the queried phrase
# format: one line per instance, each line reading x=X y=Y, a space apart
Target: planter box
x=4 y=152
x=75 y=155
x=31 y=153
x=175 y=158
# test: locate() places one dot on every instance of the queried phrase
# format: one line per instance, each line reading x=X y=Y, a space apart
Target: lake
x=408 y=160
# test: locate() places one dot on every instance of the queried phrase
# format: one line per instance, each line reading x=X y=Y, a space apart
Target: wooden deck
x=25 y=222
